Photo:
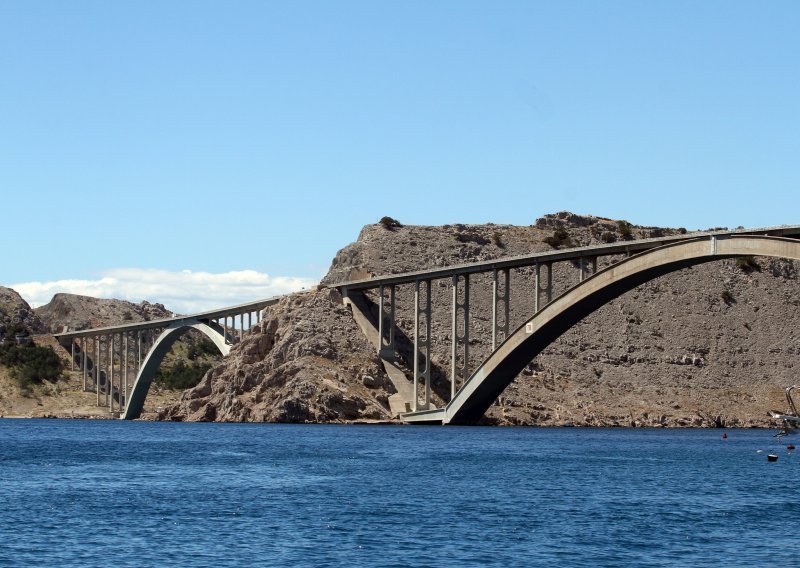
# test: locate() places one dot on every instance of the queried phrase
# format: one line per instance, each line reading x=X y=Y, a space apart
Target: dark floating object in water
x=772 y=457
x=724 y=435
x=790 y=447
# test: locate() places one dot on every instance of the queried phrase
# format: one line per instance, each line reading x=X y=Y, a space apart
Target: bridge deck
x=164 y=322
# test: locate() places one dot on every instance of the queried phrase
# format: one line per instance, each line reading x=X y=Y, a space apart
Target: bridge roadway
x=471 y=391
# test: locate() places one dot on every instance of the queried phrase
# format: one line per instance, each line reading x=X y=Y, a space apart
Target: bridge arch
x=507 y=361
x=162 y=345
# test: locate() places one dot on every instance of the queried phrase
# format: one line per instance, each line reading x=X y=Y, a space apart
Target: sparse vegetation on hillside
x=181 y=375
x=30 y=364
x=625 y=230
x=202 y=348
x=559 y=238
x=10 y=332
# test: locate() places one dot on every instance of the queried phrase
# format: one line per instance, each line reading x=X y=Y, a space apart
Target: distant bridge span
x=109 y=356
x=489 y=380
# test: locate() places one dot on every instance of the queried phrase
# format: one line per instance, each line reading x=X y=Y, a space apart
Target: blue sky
x=250 y=140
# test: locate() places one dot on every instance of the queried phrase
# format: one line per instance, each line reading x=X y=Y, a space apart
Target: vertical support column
x=72 y=361
x=536 y=284
x=386 y=320
x=83 y=361
x=110 y=377
x=107 y=349
x=98 y=355
x=241 y=325
x=392 y=303
x=422 y=345
x=581 y=269
x=380 y=318
x=585 y=268
x=225 y=329
x=459 y=370
x=139 y=351
x=549 y=288
x=123 y=400
x=500 y=305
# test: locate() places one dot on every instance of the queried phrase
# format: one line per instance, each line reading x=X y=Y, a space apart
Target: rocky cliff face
x=711 y=345
x=306 y=362
x=16 y=313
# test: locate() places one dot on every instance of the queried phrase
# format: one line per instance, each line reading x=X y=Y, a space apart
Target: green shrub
x=389 y=223
x=608 y=237
x=204 y=347
x=180 y=375
x=560 y=238
x=625 y=230
x=31 y=364
x=727 y=297
x=13 y=330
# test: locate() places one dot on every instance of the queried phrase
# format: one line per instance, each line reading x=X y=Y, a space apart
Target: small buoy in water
x=724 y=435
x=759 y=451
x=772 y=457
x=790 y=447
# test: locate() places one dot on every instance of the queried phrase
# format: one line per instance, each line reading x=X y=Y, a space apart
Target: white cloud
x=184 y=292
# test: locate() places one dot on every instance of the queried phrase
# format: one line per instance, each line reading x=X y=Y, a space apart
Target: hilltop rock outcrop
x=74 y=312
x=713 y=345
x=16 y=312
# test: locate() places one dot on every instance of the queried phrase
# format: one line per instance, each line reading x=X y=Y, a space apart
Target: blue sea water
x=101 y=493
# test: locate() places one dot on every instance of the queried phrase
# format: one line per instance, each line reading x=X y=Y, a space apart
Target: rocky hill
x=15 y=313
x=711 y=345
x=65 y=397
x=74 y=312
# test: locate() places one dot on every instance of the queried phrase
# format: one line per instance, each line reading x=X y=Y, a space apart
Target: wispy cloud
x=183 y=292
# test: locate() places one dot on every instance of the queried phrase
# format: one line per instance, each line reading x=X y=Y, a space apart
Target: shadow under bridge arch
x=155 y=356
x=508 y=360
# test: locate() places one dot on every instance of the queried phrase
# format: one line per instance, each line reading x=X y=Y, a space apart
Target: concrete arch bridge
x=120 y=362
x=473 y=391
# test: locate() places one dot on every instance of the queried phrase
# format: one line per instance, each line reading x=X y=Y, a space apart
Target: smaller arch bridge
x=489 y=380
x=120 y=362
